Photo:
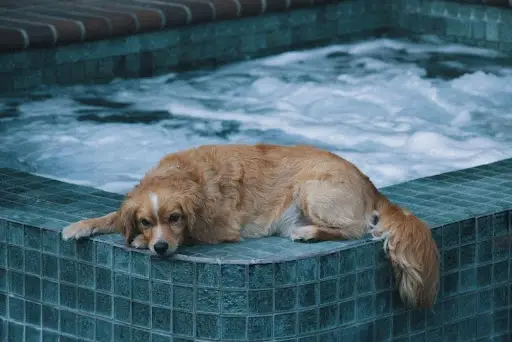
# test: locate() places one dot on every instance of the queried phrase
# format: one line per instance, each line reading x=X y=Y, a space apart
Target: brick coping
x=48 y=23
x=27 y=24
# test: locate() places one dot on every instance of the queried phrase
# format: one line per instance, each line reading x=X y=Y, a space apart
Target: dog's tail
x=412 y=251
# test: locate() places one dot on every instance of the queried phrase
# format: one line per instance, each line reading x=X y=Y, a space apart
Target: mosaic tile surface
x=97 y=290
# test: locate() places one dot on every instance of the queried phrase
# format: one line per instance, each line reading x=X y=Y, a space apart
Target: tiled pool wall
x=267 y=290
x=194 y=45
x=474 y=22
x=263 y=290
x=204 y=39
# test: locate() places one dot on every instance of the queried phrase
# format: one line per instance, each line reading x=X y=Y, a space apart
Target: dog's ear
x=126 y=223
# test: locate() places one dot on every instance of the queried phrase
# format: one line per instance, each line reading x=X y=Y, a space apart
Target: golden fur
x=224 y=193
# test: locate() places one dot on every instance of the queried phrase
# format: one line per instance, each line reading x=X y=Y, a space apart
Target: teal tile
x=16 y=283
x=308 y=295
x=3 y=304
x=103 y=254
x=328 y=317
x=235 y=301
x=285 y=273
x=328 y=291
x=347 y=312
x=32 y=287
x=32 y=237
x=85 y=250
x=139 y=335
x=307 y=270
x=103 y=279
x=3 y=230
x=161 y=319
x=17 y=309
x=67 y=271
x=182 y=323
x=484 y=275
x=85 y=275
x=468 y=279
x=347 y=261
x=261 y=301
x=85 y=299
x=15 y=258
x=260 y=328
x=51 y=292
x=140 y=289
x=68 y=322
x=347 y=286
x=484 y=326
x=122 y=310
x=141 y=314
x=50 y=317
x=50 y=241
x=3 y=254
x=103 y=304
x=233 y=328
x=364 y=307
x=50 y=266
x=183 y=297
x=208 y=275
x=16 y=331
x=140 y=264
x=104 y=330
x=484 y=227
x=233 y=276
x=68 y=296
x=208 y=300
x=15 y=234
x=122 y=285
x=208 y=326
x=365 y=281
x=383 y=329
x=67 y=248
x=308 y=321
x=85 y=327
x=286 y=298
x=261 y=276
x=121 y=259
x=32 y=262
x=161 y=293
x=32 y=334
x=183 y=272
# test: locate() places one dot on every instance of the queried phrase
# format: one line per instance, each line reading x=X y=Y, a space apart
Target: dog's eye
x=173 y=218
x=145 y=222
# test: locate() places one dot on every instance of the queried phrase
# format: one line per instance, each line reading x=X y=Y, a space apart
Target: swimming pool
x=399 y=108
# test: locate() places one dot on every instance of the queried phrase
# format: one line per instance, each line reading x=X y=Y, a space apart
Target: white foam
x=370 y=102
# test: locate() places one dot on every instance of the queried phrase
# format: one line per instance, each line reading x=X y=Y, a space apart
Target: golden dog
x=224 y=193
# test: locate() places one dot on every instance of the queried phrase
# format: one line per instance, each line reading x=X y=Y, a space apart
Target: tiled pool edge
x=345 y=293
x=472 y=24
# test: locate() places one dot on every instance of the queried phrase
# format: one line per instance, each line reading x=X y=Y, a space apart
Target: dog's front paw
x=77 y=230
x=139 y=242
x=306 y=233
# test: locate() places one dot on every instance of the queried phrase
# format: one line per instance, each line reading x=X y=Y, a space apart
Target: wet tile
x=261 y=276
x=122 y=310
x=307 y=270
x=182 y=323
x=140 y=264
x=161 y=319
x=233 y=276
x=85 y=327
x=103 y=304
x=285 y=273
x=161 y=293
x=141 y=314
x=208 y=274
x=208 y=326
x=235 y=301
x=233 y=328
x=183 y=297
x=261 y=301
x=140 y=289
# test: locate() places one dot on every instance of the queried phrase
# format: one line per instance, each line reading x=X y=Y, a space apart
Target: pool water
x=398 y=108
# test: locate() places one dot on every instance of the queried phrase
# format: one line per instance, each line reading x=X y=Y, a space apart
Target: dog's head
x=162 y=214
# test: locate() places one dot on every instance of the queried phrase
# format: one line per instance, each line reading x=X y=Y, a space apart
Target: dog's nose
x=161 y=247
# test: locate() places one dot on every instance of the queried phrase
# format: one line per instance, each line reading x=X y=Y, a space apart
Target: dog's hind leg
x=337 y=212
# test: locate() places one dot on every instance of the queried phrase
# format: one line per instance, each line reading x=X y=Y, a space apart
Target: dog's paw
x=77 y=230
x=139 y=242
x=306 y=233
